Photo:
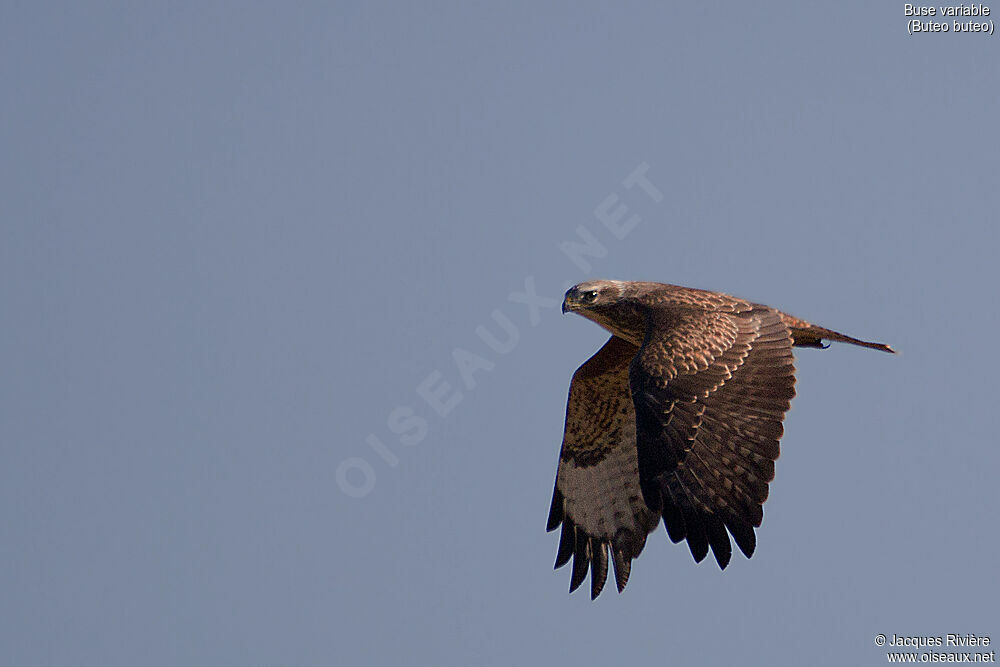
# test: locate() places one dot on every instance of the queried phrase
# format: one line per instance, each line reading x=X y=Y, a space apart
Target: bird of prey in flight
x=677 y=416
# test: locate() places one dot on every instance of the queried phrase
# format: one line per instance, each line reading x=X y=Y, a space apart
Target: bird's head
x=592 y=294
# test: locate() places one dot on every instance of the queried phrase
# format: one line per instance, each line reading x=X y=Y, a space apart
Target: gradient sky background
x=236 y=237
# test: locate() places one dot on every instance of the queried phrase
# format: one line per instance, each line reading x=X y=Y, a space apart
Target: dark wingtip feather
x=598 y=567
x=581 y=561
x=718 y=538
x=696 y=538
x=698 y=544
x=623 y=567
x=673 y=521
x=555 y=510
x=567 y=541
x=744 y=536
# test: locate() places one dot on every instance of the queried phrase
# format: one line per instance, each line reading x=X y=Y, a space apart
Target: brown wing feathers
x=597 y=497
x=707 y=439
x=737 y=441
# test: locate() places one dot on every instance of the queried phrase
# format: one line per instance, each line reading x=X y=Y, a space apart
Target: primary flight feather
x=678 y=417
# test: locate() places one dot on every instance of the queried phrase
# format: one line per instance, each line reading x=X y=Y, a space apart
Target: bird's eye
x=589 y=296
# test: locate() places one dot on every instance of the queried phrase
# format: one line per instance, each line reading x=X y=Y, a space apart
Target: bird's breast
x=624 y=323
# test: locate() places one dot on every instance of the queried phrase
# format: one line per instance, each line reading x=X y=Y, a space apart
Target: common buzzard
x=677 y=416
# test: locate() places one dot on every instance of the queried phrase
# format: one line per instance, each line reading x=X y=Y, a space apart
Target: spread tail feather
x=805 y=334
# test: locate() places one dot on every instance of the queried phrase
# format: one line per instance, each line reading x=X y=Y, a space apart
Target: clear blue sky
x=238 y=237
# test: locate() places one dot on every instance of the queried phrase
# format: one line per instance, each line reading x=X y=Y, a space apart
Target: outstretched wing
x=597 y=497
x=711 y=390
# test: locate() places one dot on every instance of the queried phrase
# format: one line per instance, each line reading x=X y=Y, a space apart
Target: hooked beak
x=568 y=302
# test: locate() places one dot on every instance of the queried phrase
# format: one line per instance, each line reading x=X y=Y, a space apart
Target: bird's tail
x=805 y=334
